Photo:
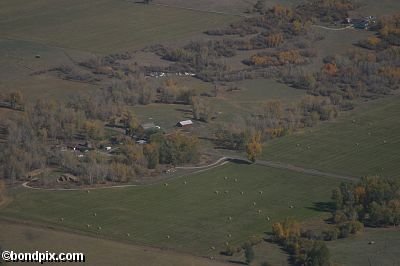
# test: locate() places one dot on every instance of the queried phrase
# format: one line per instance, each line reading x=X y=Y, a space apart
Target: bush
x=351 y=227
x=329 y=235
x=311 y=235
x=253 y=240
x=230 y=250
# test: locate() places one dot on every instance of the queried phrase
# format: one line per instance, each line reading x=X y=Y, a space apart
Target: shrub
x=329 y=235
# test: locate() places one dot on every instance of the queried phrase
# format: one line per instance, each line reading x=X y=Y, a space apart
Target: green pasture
x=190 y=217
x=102 y=26
x=363 y=142
x=164 y=115
x=372 y=247
x=26 y=238
x=256 y=91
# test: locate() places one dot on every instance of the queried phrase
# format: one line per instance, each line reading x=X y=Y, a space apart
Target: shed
x=184 y=123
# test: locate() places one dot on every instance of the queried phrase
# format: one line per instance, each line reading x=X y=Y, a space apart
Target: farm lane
x=219 y=162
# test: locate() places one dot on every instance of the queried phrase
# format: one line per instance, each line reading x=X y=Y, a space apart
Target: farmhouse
x=184 y=123
x=361 y=23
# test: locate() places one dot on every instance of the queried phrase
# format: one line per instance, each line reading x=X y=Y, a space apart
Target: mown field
x=356 y=250
x=104 y=26
x=363 y=142
x=25 y=238
x=377 y=8
x=235 y=6
x=192 y=214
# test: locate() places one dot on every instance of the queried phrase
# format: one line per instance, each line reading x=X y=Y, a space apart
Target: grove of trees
x=374 y=201
x=303 y=251
x=47 y=133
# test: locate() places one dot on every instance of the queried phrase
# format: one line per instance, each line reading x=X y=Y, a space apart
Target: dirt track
x=219 y=162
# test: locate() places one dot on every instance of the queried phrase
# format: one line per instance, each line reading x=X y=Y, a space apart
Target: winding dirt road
x=217 y=163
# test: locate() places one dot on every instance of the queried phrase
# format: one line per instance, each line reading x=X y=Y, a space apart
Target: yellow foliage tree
x=373 y=41
x=288 y=229
x=297 y=26
x=254 y=147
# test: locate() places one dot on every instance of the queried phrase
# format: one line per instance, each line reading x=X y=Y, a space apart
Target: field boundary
x=299 y=169
x=192 y=9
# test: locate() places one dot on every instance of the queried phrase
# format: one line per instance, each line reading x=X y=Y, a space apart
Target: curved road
x=219 y=162
x=334 y=29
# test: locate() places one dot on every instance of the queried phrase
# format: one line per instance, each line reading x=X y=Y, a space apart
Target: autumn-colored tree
x=393 y=73
x=373 y=41
x=130 y=121
x=282 y=11
x=94 y=129
x=133 y=153
x=274 y=40
x=120 y=172
x=176 y=148
x=373 y=200
x=290 y=57
x=201 y=109
x=150 y=151
x=259 y=60
x=330 y=69
x=272 y=110
x=297 y=26
x=254 y=147
x=286 y=230
x=16 y=99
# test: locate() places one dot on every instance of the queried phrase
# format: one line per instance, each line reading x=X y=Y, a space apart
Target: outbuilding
x=184 y=123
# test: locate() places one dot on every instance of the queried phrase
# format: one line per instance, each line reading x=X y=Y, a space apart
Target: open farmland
x=164 y=115
x=234 y=6
x=363 y=142
x=258 y=90
x=21 y=237
x=356 y=251
x=103 y=26
x=377 y=8
x=192 y=214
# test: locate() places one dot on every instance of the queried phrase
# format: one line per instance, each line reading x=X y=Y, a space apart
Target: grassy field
x=164 y=115
x=227 y=106
x=355 y=251
x=18 y=62
x=24 y=238
x=192 y=214
x=377 y=8
x=363 y=142
x=101 y=26
x=256 y=91
x=234 y=6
